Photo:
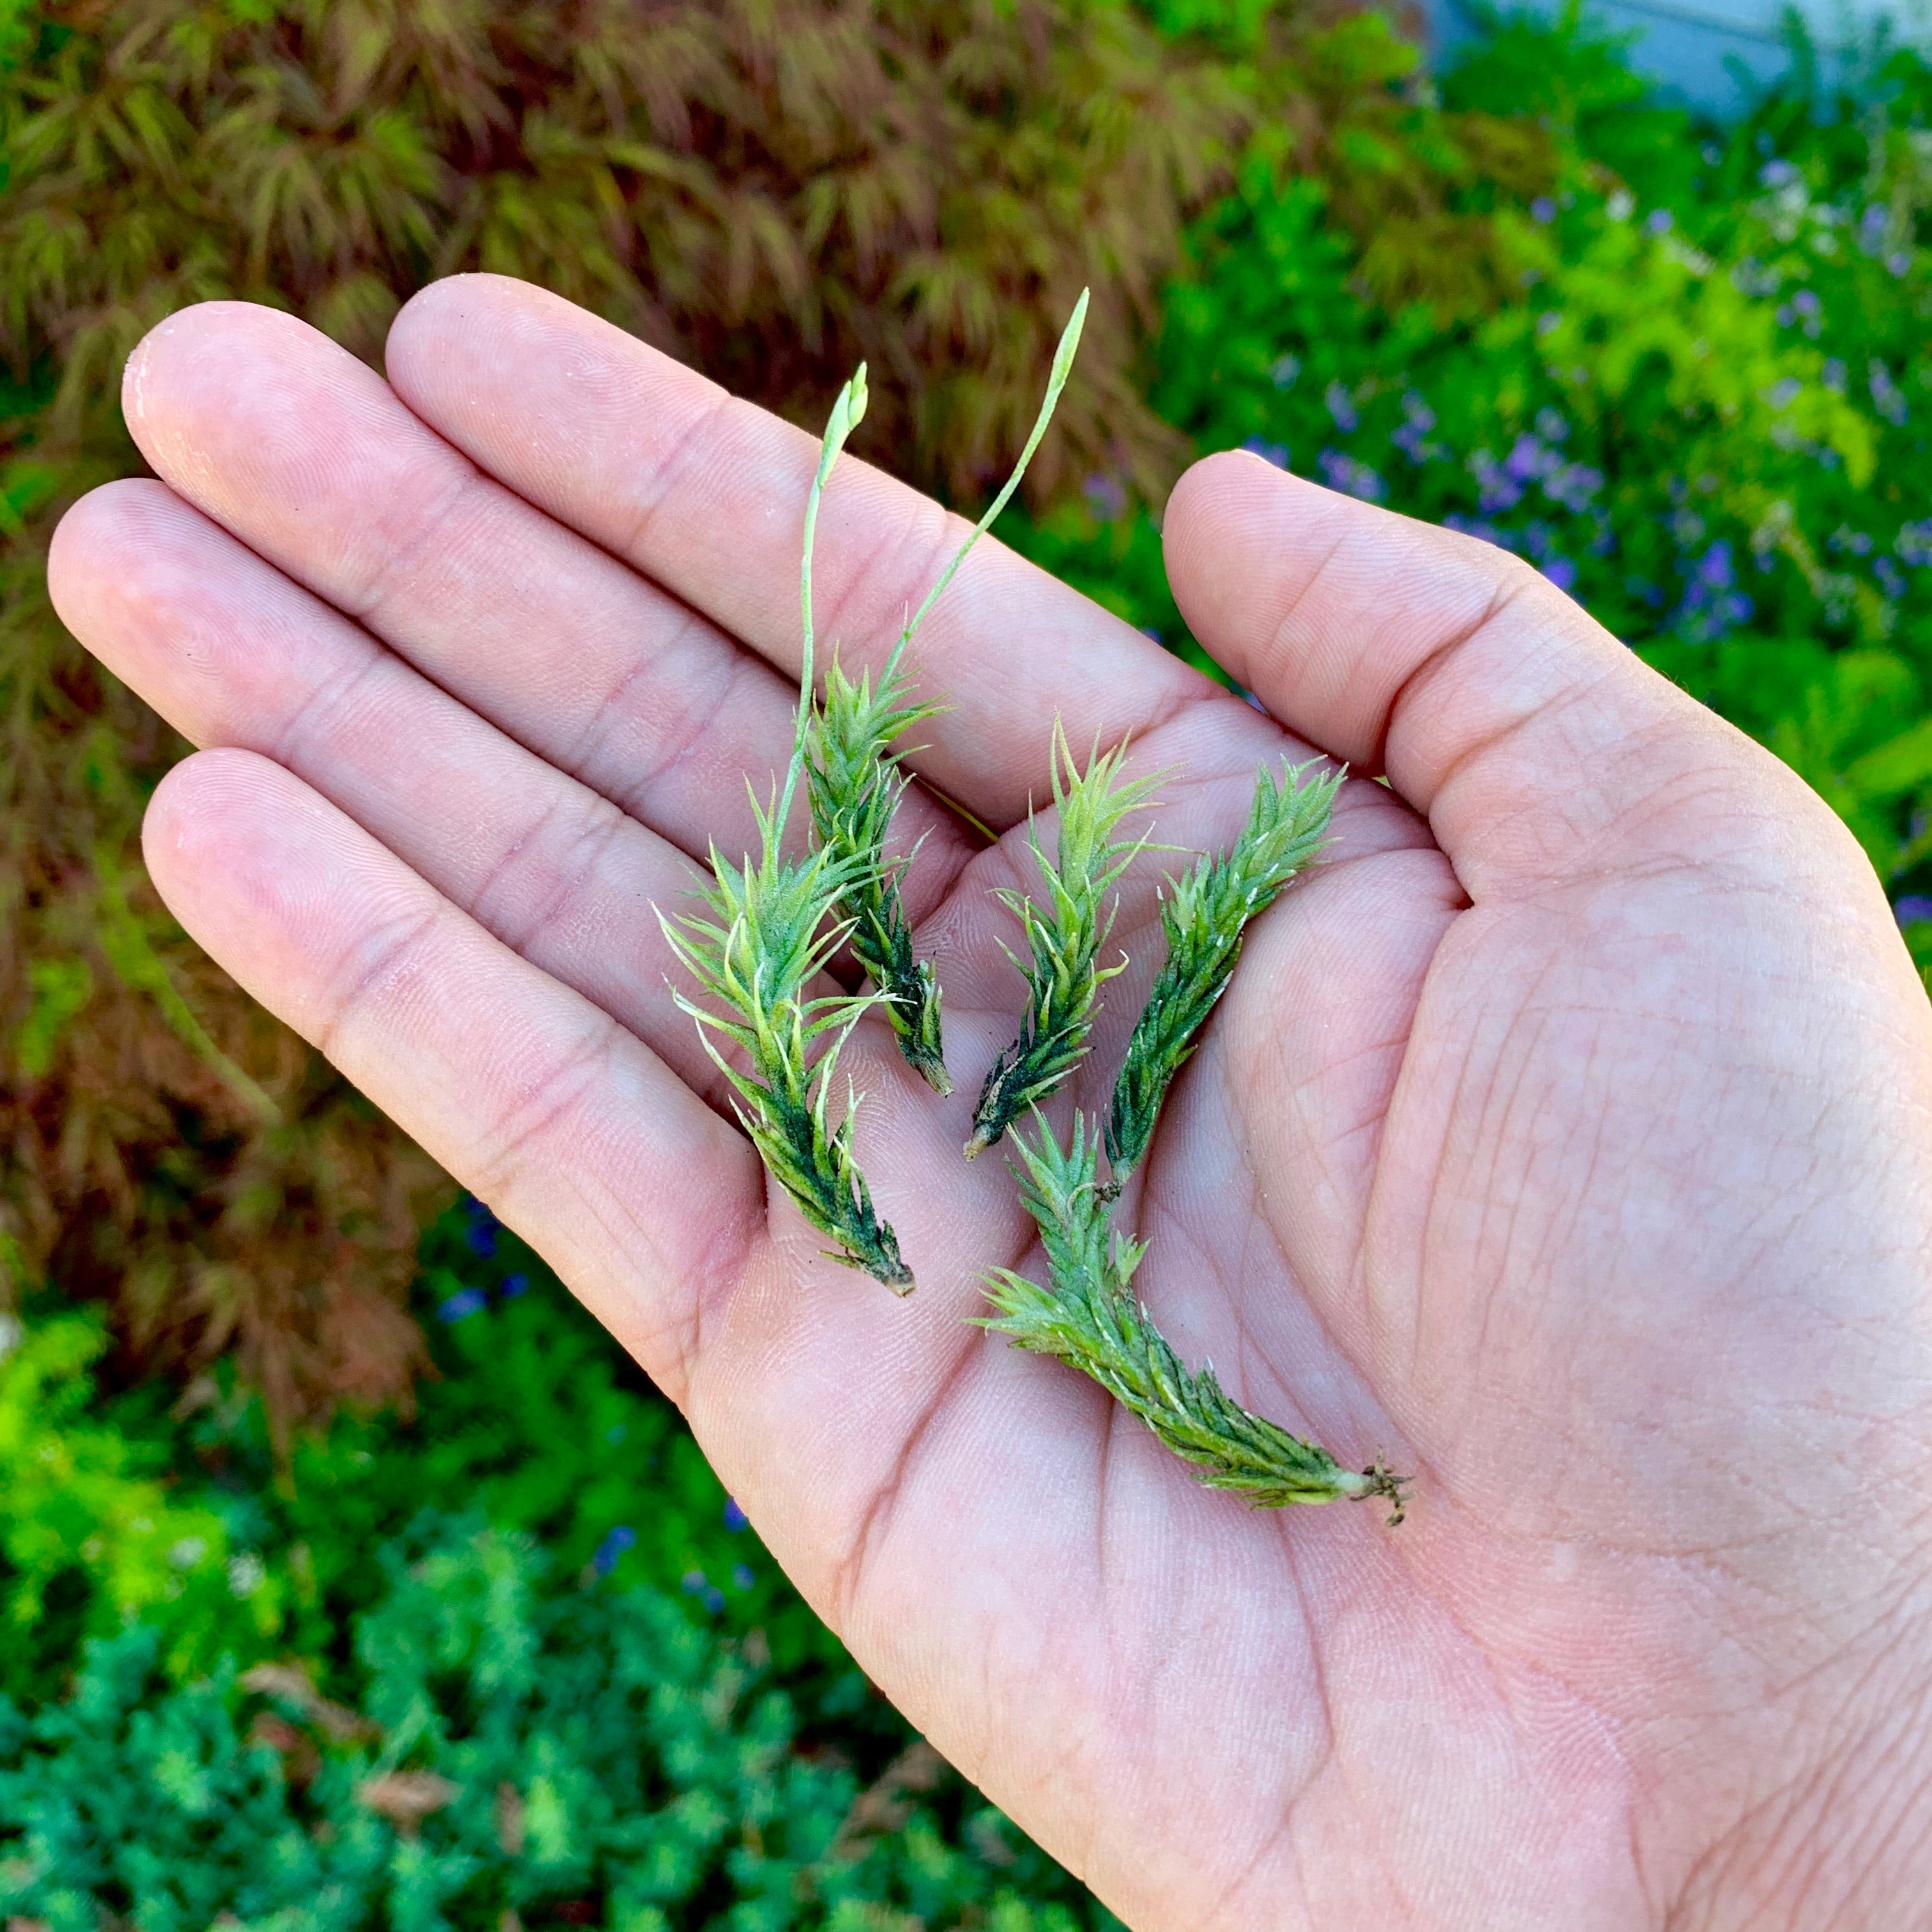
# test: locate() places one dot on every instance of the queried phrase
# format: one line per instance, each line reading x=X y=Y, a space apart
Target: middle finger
x=312 y=460
x=233 y=654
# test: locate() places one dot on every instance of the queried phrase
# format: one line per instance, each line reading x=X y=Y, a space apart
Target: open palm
x=1563 y=1137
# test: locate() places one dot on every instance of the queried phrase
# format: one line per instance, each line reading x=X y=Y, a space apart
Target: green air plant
x=1205 y=913
x=767 y=930
x=1090 y=1318
x=855 y=781
x=1064 y=972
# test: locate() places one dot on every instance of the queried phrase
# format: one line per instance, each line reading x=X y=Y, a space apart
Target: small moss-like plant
x=1062 y=968
x=855 y=781
x=854 y=785
x=768 y=929
x=771 y=925
x=1089 y=1318
x=1205 y=915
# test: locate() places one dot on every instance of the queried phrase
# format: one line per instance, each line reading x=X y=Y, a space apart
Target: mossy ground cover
x=518 y=1653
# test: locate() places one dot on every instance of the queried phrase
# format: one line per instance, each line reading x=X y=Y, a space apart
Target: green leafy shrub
x=1708 y=415
x=89 y=1532
x=186 y=1511
x=516 y=1750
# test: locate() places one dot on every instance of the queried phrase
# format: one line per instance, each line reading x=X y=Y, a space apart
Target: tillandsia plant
x=1205 y=914
x=854 y=787
x=1063 y=969
x=855 y=781
x=1089 y=1318
x=769 y=927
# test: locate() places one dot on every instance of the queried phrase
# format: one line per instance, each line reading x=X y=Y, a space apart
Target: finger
x=705 y=495
x=534 y=1098
x=308 y=457
x=233 y=653
x=1540 y=748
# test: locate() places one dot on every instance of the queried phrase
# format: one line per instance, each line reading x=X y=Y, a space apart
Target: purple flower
x=1418 y=419
x=615 y=1543
x=1527 y=459
x=1497 y=489
x=735 y=1519
x=693 y=1581
x=480 y=1237
x=514 y=1285
x=1777 y=174
x=1543 y=209
x=1560 y=571
x=712 y=1597
x=1352 y=478
x=1914 y=909
x=1573 y=485
x=1276 y=453
x=1887 y=398
x=1106 y=497
x=742 y=1576
x=1659 y=220
x=466 y=1302
x=1342 y=408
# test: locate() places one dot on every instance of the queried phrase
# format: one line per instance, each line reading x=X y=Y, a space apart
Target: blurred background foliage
x=247 y=1331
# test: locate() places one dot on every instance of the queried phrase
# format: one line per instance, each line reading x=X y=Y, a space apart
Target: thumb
x=1541 y=750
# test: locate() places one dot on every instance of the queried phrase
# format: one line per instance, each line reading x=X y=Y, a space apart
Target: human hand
x=1563 y=1136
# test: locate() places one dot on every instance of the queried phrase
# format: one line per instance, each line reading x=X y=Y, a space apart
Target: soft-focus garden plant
x=138 y=1767
x=504 y=1742
x=1707 y=414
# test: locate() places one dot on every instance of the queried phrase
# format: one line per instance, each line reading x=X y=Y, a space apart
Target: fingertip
x=189 y=827
x=229 y=834
x=223 y=394
x=88 y=559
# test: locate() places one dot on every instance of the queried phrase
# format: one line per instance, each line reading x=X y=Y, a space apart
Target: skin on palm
x=1563 y=1136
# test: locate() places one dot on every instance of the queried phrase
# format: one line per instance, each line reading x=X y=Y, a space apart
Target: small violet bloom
x=615 y=1543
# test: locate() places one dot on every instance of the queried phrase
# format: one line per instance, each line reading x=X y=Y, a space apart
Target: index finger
x=705 y=493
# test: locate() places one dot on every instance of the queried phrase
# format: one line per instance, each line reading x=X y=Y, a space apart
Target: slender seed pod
x=1089 y=1318
x=1063 y=970
x=1205 y=914
x=854 y=785
x=855 y=781
x=767 y=928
